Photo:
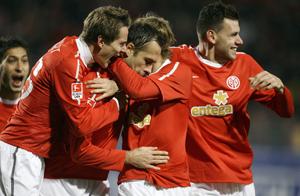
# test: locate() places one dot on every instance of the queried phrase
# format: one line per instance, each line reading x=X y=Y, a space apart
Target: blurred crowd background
x=270 y=30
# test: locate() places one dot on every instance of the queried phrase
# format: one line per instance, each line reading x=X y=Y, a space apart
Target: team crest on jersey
x=77 y=90
x=140 y=118
x=233 y=82
x=221 y=109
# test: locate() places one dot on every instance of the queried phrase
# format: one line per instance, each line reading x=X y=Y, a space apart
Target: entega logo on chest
x=221 y=109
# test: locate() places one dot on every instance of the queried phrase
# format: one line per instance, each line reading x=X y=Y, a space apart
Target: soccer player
x=224 y=81
x=83 y=169
x=55 y=101
x=159 y=113
x=14 y=68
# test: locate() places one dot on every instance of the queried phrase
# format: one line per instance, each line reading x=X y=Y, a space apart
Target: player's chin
x=16 y=89
x=232 y=56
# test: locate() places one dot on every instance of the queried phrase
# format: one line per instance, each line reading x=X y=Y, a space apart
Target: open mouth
x=17 y=80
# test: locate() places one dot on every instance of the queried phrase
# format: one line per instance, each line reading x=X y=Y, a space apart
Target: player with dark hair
x=14 y=68
x=224 y=81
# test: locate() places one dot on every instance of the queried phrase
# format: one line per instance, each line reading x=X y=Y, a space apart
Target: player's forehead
x=16 y=52
x=230 y=25
x=151 y=50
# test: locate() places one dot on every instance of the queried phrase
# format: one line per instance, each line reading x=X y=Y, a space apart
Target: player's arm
x=136 y=86
x=265 y=81
x=85 y=153
x=174 y=81
x=270 y=90
x=84 y=117
x=281 y=103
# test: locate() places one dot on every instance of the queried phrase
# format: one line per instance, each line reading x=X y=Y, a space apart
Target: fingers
x=103 y=96
x=154 y=151
x=146 y=157
x=158 y=160
x=258 y=79
x=98 y=90
x=264 y=81
x=96 y=85
x=148 y=148
x=152 y=167
x=97 y=81
x=158 y=152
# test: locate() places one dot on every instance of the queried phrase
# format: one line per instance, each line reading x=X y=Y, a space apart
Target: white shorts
x=222 y=189
x=21 y=172
x=143 y=188
x=74 y=187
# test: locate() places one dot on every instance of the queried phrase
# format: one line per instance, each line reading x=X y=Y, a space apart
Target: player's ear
x=100 y=41
x=130 y=48
x=211 y=36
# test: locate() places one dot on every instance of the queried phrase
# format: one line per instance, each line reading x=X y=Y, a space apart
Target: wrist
x=128 y=157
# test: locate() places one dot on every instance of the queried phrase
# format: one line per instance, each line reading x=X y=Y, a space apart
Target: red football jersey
x=102 y=156
x=7 y=108
x=161 y=122
x=54 y=100
x=217 y=141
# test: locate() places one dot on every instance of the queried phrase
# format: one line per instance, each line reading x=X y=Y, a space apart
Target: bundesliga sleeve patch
x=77 y=90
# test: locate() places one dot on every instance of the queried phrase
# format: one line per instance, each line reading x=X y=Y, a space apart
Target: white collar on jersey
x=207 y=62
x=9 y=102
x=84 y=51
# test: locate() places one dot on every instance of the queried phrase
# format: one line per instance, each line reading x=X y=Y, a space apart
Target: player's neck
x=208 y=52
x=8 y=94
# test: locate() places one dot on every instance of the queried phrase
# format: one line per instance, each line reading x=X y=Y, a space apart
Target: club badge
x=233 y=82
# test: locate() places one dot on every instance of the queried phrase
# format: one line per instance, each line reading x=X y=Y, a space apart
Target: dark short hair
x=151 y=28
x=7 y=43
x=212 y=15
x=104 y=21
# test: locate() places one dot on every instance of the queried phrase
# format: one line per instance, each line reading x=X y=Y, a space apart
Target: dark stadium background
x=270 y=30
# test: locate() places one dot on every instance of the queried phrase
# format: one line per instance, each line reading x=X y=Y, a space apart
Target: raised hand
x=265 y=80
x=146 y=157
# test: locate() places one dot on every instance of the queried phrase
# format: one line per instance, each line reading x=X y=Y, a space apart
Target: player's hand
x=146 y=157
x=103 y=86
x=265 y=80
